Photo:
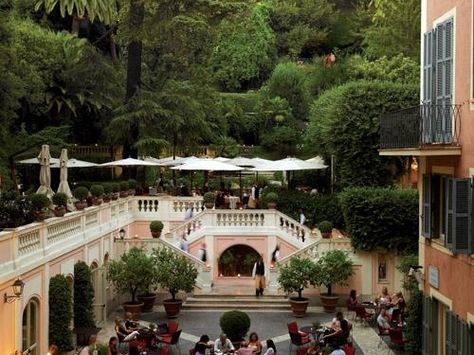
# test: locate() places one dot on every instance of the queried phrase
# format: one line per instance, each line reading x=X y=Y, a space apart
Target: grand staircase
x=228 y=301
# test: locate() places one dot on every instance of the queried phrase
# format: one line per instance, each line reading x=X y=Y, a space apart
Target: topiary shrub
x=97 y=191
x=381 y=218
x=209 y=197
x=414 y=324
x=156 y=226
x=108 y=189
x=39 y=202
x=270 y=197
x=124 y=186
x=235 y=324
x=60 y=315
x=60 y=199
x=325 y=226
x=81 y=193
x=132 y=184
x=83 y=296
x=115 y=187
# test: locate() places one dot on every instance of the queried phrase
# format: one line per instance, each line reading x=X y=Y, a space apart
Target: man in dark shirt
x=258 y=274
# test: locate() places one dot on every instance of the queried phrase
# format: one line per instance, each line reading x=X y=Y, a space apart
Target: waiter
x=259 y=273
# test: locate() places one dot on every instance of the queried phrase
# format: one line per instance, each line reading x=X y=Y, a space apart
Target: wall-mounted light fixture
x=121 y=234
x=17 y=287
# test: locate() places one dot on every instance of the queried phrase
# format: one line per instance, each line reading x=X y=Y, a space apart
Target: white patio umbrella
x=242 y=161
x=75 y=163
x=261 y=160
x=63 y=184
x=287 y=164
x=222 y=159
x=45 y=172
x=129 y=162
x=36 y=161
x=181 y=161
x=163 y=161
x=207 y=165
x=318 y=161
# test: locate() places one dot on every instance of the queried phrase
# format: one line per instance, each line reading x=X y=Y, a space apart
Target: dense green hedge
x=316 y=207
x=344 y=122
x=414 y=324
x=60 y=314
x=381 y=218
x=83 y=296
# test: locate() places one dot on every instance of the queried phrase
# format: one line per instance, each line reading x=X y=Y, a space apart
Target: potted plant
x=235 y=324
x=81 y=193
x=60 y=202
x=132 y=185
x=295 y=276
x=333 y=268
x=155 y=228
x=132 y=273
x=107 y=191
x=271 y=199
x=209 y=199
x=115 y=190
x=175 y=273
x=146 y=295
x=97 y=191
x=124 y=189
x=84 y=323
x=325 y=227
x=40 y=204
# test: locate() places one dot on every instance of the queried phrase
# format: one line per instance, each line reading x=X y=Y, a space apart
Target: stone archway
x=237 y=260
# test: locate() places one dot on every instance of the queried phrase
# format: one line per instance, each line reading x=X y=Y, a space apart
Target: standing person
x=271 y=348
x=302 y=222
x=184 y=243
x=223 y=344
x=259 y=273
x=188 y=214
x=202 y=345
x=202 y=253
x=275 y=255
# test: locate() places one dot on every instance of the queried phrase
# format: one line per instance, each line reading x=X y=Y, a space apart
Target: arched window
x=30 y=327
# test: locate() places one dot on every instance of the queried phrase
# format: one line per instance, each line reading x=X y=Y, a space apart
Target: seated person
x=352 y=302
x=223 y=344
x=339 y=331
x=271 y=348
x=383 y=321
x=202 y=345
x=120 y=330
x=130 y=324
x=254 y=344
x=384 y=298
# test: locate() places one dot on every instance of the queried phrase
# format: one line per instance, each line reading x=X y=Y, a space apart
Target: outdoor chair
x=173 y=341
x=298 y=341
x=293 y=328
x=363 y=315
x=349 y=349
x=396 y=337
x=172 y=328
x=382 y=333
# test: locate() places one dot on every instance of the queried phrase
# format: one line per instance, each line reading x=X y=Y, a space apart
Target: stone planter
x=326 y=235
x=135 y=308
x=172 y=308
x=271 y=205
x=60 y=211
x=106 y=198
x=40 y=216
x=123 y=194
x=115 y=197
x=156 y=234
x=209 y=205
x=97 y=201
x=148 y=301
x=329 y=302
x=299 y=306
x=80 y=205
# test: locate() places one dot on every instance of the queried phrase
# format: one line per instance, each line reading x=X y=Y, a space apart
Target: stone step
x=270 y=302
x=249 y=296
x=215 y=305
x=236 y=299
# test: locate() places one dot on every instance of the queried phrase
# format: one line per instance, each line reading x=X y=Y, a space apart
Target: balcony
x=421 y=131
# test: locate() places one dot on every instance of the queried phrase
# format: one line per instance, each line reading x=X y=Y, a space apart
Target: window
x=30 y=327
x=459 y=335
x=429 y=344
x=447 y=210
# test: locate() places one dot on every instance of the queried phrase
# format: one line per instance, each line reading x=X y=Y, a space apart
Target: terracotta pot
x=123 y=194
x=148 y=301
x=155 y=234
x=106 y=198
x=209 y=205
x=135 y=308
x=80 y=205
x=326 y=235
x=172 y=308
x=271 y=205
x=329 y=302
x=115 y=197
x=40 y=215
x=60 y=211
x=131 y=192
x=97 y=201
x=299 y=306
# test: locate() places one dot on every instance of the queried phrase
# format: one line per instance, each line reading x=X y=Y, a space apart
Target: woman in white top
x=271 y=349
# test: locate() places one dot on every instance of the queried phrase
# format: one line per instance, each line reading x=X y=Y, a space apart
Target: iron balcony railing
x=420 y=127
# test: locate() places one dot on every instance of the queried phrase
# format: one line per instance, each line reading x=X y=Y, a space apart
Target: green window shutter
x=462 y=338
x=428 y=67
x=462 y=216
x=426 y=321
x=448 y=233
x=450 y=328
x=426 y=213
x=470 y=339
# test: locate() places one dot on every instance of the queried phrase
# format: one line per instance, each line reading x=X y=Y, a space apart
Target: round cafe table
x=315 y=332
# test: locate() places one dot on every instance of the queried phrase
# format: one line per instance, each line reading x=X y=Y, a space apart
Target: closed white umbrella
x=287 y=164
x=44 y=159
x=63 y=184
x=207 y=165
x=129 y=162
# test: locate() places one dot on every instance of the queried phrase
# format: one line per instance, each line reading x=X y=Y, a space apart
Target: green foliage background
x=83 y=296
x=60 y=313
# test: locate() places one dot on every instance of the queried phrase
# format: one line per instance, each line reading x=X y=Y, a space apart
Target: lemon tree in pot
x=132 y=273
x=97 y=191
x=175 y=273
x=333 y=268
x=325 y=227
x=81 y=193
x=39 y=204
x=155 y=228
x=209 y=199
x=60 y=202
x=296 y=275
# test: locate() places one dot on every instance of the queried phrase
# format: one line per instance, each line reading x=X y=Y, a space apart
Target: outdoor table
x=315 y=332
x=233 y=202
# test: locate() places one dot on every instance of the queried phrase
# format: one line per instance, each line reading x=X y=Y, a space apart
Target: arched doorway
x=237 y=260
x=30 y=327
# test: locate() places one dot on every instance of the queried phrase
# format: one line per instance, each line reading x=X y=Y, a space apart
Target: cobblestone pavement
x=267 y=324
